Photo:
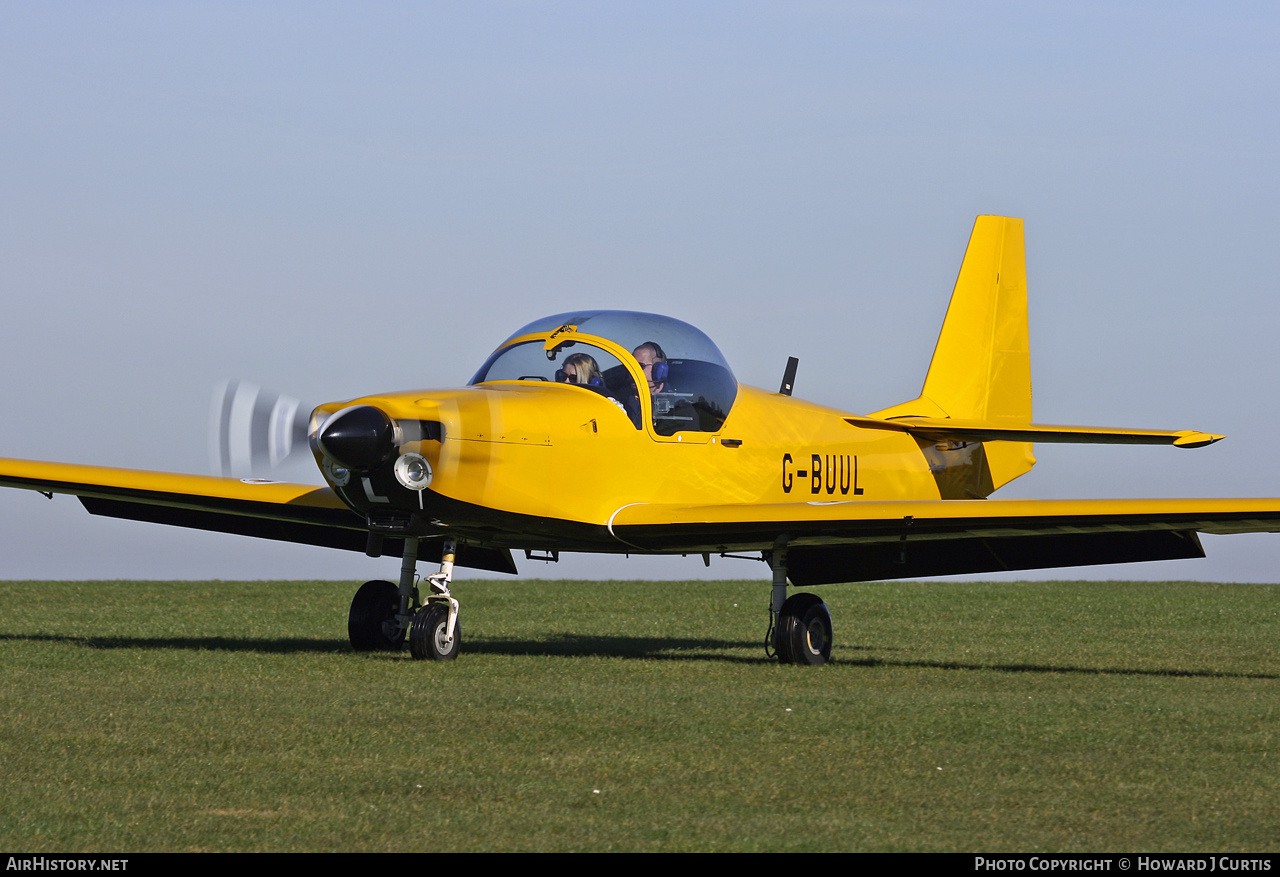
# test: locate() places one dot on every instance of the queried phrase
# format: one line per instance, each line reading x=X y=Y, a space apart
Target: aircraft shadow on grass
x=633 y=647
x=282 y=646
x=1052 y=668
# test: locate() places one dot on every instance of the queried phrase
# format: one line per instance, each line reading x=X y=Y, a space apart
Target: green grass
x=1077 y=716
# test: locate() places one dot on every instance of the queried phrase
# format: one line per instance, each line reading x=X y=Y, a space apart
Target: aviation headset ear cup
x=661 y=371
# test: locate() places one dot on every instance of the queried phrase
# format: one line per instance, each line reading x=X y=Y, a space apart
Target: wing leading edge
x=865 y=541
x=282 y=511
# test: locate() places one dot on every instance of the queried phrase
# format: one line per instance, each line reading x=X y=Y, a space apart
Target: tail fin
x=981 y=368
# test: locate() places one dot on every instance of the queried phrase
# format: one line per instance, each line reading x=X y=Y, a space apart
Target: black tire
x=371 y=623
x=803 y=634
x=426 y=634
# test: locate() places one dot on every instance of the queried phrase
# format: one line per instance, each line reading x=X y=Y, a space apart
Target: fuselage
x=520 y=460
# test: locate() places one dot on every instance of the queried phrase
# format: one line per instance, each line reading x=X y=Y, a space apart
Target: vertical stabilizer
x=981 y=367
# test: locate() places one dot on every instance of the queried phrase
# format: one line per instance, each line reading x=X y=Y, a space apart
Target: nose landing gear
x=382 y=613
x=435 y=634
x=429 y=637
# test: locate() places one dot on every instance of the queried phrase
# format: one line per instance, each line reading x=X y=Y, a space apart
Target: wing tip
x=1193 y=439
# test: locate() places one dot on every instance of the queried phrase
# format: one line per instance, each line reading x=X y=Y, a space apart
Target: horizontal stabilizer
x=946 y=429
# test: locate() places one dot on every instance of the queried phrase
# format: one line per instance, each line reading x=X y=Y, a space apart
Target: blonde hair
x=585 y=366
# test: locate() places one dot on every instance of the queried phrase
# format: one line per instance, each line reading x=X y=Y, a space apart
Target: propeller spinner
x=359 y=437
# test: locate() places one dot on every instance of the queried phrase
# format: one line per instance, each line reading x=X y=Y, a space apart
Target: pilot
x=670 y=413
x=673 y=410
x=580 y=368
x=648 y=355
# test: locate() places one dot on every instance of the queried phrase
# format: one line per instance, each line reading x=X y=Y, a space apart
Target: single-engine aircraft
x=627 y=433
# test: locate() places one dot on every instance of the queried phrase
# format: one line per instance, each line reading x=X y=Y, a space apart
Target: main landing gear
x=381 y=613
x=371 y=623
x=800 y=625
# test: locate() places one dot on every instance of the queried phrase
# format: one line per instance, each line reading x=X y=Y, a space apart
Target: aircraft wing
x=264 y=509
x=864 y=541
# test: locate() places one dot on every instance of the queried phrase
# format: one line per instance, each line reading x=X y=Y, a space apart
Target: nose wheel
x=429 y=638
x=434 y=634
x=382 y=613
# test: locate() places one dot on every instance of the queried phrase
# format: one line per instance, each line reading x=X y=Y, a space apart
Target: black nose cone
x=358 y=438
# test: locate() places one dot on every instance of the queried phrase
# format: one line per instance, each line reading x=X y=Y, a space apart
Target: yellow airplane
x=627 y=433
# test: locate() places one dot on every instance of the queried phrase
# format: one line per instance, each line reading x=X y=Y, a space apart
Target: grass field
x=1068 y=716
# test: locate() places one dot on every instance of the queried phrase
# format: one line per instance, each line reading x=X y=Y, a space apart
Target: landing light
x=339 y=475
x=413 y=471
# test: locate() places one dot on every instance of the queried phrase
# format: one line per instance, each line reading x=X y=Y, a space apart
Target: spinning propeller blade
x=253 y=430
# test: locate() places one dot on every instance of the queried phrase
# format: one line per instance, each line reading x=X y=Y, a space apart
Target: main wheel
x=803 y=635
x=427 y=634
x=371 y=623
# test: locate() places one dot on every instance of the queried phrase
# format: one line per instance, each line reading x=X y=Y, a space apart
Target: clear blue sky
x=334 y=199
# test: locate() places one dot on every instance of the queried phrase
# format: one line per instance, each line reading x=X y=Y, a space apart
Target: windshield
x=688 y=381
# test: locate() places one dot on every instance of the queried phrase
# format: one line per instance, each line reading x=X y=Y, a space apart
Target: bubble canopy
x=630 y=329
x=698 y=386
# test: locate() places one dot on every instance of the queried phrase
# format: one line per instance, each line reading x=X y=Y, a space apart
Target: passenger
x=583 y=370
x=580 y=368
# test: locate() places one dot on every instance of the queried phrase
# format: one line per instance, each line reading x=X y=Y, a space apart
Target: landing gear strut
x=800 y=629
x=382 y=613
x=435 y=634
